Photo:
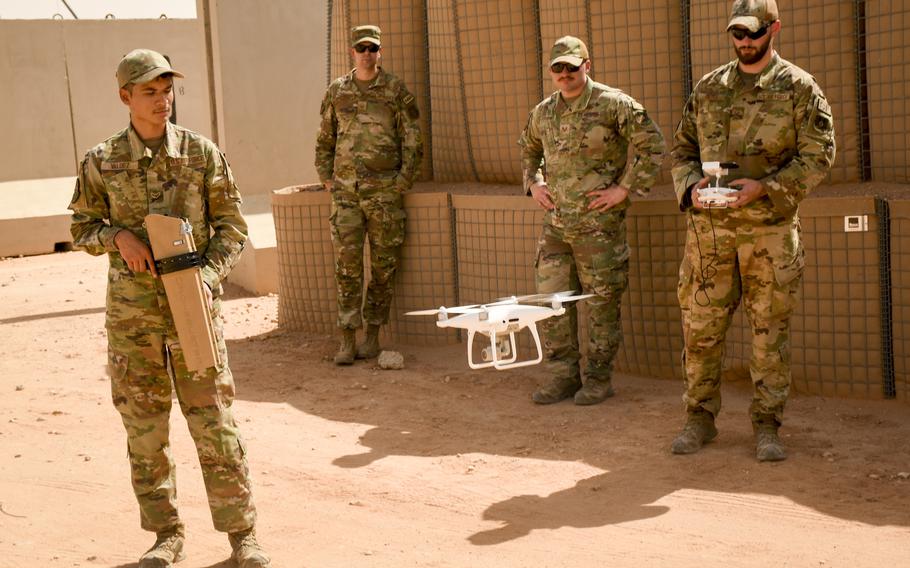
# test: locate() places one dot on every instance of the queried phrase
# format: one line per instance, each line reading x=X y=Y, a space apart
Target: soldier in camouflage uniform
x=575 y=161
x=368 y=152
x=153 y=166
x=771 y=118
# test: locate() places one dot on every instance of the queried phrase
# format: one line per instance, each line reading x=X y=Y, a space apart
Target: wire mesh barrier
x=638 y=52
x=485 y=80
x=404 y=51
x=652 y=332
x=816 y=35
x=427 y=278
x=900 y=295
x=887 y=24
x=473 y=249
x=306 y=278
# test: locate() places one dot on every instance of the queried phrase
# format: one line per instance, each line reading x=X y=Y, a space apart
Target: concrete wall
x=59 y=95
x=271 y=60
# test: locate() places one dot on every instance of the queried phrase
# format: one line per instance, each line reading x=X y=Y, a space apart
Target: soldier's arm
x=647 y=143
x=531 y=154
x=325 y=140
x=229 y=229
x=410 y=137
x=815 y=152
x=685 y=155
x=90 y=226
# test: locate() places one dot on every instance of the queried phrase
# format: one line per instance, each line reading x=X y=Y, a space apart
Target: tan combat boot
x=558 y=389
x=595 y=389
x=247 y=552
x=345 y=355
x=370 y=346
x=167 y=550
x=698 y=430
x=768 y=446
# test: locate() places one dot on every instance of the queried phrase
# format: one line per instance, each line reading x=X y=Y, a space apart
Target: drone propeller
x=566 y=296
x=445 y=310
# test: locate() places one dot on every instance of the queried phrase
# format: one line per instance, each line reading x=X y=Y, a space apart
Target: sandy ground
x=432 y=466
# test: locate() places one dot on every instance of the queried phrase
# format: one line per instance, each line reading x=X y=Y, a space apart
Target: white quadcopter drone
x=714 y=196
x=500 y=317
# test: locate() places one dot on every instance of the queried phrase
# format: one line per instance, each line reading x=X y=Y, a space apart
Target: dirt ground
x=432 y=466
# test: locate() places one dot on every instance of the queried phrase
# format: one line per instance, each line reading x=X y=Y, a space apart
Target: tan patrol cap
x=143 y=65
x=568 y=49
x=365 y=34
x=753 y=14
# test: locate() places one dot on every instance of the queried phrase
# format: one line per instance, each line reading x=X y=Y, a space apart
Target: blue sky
x=96 y=9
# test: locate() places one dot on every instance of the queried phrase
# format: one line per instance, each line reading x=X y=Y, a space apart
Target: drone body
x=500 y=321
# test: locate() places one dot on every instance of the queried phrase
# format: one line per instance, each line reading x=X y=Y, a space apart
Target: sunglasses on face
x=559 y=67
x=361 y=47
x=740 y=33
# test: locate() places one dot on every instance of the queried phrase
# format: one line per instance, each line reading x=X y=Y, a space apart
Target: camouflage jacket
x=587 y=147
x=119 y=182
x=779 y=132
x=369 y=138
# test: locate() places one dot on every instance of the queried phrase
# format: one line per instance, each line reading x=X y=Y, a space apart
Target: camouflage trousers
x=597 y=263
x=144 y=367
x=357 y=215
x=730 y=257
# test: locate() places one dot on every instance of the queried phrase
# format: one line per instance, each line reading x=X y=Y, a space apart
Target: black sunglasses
x=361 y=47
x=741 y=34
x=559 y=67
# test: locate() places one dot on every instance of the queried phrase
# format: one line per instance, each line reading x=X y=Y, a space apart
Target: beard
x=755 y=55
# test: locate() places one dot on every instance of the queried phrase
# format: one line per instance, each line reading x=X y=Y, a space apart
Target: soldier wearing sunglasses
x=575 y=158
x=770 y=118
x=368 y=152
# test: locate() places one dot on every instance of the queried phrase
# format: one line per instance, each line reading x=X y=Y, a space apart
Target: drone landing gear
x=502 y=353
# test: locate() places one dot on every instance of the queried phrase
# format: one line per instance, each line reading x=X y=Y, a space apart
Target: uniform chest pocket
x=377 y=112
x=773 y=130
x=126 y=194
x=185 y=191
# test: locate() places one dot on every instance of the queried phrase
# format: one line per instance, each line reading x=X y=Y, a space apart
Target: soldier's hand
x=750 y=190
x=541 y=194
x=328 y=185
x=135 y=253
x=693 y=193
x=607 y=198
x=208 y=296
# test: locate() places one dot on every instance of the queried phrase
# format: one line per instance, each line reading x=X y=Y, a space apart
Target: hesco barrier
x=306 y=279
x=900 y=297
x=484 y=72
x=819 y=37
x=404 y=49
x=479 y=67
x=885 y=25
x=848 y=338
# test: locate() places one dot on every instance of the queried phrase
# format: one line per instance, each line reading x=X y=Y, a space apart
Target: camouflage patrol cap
x=365 y=34
x=143 y=65
x=568 y=49
x=753 y=14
